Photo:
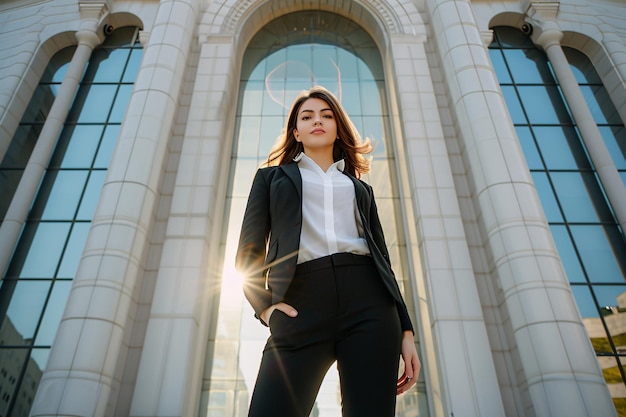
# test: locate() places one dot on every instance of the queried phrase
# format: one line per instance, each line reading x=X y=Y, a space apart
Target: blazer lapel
x=293 y=172
x=362 y=197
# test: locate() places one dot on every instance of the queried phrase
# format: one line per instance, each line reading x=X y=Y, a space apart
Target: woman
x=317 y=271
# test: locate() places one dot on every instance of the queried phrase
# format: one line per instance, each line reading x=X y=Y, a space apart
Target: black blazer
x=274 y=212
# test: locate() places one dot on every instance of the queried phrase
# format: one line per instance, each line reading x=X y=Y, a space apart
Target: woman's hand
x=412 y=363
x=284 y=307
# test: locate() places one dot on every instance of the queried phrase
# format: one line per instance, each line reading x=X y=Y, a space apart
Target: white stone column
x=558 y=365
x=454 y=337
x=189 y=277
x=87 y=360
x=38 y=162
x=549 y=38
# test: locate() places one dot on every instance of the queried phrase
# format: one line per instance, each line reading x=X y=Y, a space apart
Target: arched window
x=291 y=54
x=35 y=289
x=590 y=243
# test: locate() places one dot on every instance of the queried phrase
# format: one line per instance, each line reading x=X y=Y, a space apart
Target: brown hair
x=348 y=146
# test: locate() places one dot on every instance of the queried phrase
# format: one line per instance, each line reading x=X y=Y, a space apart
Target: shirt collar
x=306 y=162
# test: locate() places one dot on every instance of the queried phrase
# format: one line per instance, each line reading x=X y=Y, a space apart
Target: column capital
x=547 y=34
x=143 y=38
x=93 y=10
x=89 y=37
x=486 y=36
x=543 y=10
x=92 y=14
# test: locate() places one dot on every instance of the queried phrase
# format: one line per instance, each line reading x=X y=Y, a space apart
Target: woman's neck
x=323 y=159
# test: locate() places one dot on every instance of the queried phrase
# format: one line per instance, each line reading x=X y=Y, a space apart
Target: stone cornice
x=543 y=10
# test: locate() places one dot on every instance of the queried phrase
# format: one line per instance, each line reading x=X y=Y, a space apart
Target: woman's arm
x=412 y=363
x=250 y=257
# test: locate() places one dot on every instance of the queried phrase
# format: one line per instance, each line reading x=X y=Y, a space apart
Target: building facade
x=129 y=135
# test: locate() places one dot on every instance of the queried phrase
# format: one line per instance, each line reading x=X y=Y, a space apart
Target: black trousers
x=345 y=314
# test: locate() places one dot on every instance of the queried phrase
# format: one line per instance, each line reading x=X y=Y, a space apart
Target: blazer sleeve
x=251 y=251
x=379 y=241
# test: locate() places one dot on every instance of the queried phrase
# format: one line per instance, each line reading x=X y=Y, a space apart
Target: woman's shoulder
x=270 y=172
x=276 y=168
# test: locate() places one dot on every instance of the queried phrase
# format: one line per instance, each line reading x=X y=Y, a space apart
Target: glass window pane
x=514 y=106
x=249 y=138
x=106 y=146
x=82 y=145
x=57 y=67
x=109 y=64
x=348 y=65
x=54 y=313
x=13 y=360
x=529 y=147
x=600 y=104
x=597 y=253
x=269 y=126
x=351 y=98
x=372 y=128
x=560 y=147
x=574 y=191
x=45 y=250
x=253 y=98
x=65 y=194
x=93 y=104
x=121 y=104
x=547 y=197
x=21 y=146
x=586 y=305
x=370 y=97
x=133 y=66
x=37 y=363
x=499 y=66
x=568 y=255
x=325 y=64
x=91 y=195
x=582 y=67
x=612 y=296
x=74 y=250
x=26 y=307
x=9 y=180
x=544 y=105
x=528 y=66
x=40 y=103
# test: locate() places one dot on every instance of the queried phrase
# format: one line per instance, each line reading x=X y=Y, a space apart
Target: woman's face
x=316 y=126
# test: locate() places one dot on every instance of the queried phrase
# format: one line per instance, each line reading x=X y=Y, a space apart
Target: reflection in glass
x=560 y=147
x=601 y=252
x=276 y=67
x=576 y=197
x=44 y=250
x=25 y=307
x=19 y=150
x=591 y=246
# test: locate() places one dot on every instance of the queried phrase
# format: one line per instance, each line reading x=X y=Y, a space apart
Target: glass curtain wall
x=35 y=289
x=287 y=56
x=589 y=240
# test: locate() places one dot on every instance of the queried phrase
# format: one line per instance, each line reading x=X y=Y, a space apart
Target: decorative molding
x=486 y=36
x=546 y=10
x=93 y=10
x=232 y=18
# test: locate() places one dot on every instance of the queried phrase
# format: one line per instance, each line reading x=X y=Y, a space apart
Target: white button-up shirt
x=330 y=218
